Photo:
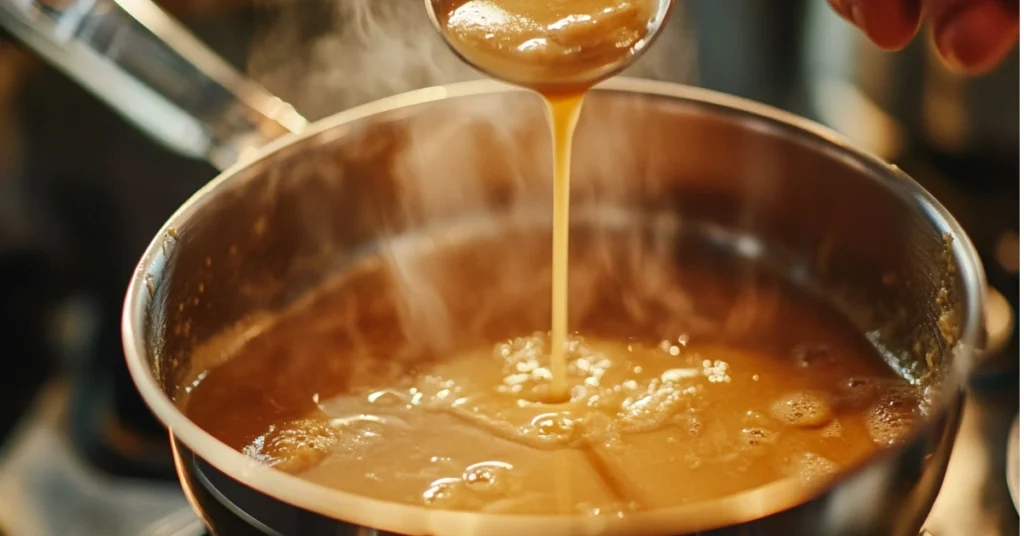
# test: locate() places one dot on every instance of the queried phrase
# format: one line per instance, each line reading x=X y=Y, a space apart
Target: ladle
x=549 y=45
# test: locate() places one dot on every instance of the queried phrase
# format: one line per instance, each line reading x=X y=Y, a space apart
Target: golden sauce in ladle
x=550 y=46
x=559 y=49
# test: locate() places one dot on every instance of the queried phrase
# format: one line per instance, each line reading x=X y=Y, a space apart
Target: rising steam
x=326 y=57
x=356 y=51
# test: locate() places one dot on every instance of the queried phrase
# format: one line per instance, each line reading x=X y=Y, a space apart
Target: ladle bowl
x=526 y=71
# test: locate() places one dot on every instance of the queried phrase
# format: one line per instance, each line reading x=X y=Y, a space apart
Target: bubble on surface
x=445 y=493
x=716 y=371
x=525 y=366
x=552 y=428
x=758 y=437
x=294 y=446
x=368 y=426
x=690 y=423
x=487 y=478
x=813 y=468
x=860 y=393
x=802 y=409
x=679 y=374
x=833 y=429
x=651 y=407
x=386 y=398
x=891 y=418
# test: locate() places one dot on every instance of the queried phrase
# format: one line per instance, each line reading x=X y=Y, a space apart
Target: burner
x=23 y=309
x=106 y=439
x=182 y=523
x=233 y=509
x=45 y=488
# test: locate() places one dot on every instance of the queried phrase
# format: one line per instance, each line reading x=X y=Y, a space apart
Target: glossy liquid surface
x=693 y=375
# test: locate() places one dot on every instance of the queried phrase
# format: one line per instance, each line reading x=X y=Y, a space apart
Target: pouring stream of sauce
x=559 y=49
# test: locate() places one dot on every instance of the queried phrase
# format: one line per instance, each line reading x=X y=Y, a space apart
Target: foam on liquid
x=643 y=429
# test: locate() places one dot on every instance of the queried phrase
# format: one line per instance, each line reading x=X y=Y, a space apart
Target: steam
x=470 y=157
x=368 y=49
x=326 y=57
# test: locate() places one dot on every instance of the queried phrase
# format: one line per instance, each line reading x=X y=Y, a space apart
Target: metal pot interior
x=677 y=168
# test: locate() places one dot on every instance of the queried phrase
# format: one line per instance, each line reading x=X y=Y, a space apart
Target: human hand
x=972 y=36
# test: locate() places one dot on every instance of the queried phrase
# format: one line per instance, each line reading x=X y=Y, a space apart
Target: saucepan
x=293 y=212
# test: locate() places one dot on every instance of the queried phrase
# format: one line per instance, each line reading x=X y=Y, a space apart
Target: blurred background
x=83 y=190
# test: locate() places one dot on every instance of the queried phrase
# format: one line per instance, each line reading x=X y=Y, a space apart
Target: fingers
x=974 y=36
x=890 y=24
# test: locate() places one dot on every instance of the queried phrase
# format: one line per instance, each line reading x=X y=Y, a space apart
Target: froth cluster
x=621 y=393
x=480 y=484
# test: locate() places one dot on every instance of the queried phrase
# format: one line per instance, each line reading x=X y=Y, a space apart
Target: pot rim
x=396 y=517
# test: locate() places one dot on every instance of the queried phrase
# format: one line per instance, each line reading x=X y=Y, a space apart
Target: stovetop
x=46 y=489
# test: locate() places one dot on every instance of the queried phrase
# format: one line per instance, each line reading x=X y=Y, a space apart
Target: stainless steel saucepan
x=296 y=211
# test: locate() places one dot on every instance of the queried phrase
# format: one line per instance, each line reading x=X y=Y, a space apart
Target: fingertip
x=890 y=24
x=976 y=39
x=842 y=8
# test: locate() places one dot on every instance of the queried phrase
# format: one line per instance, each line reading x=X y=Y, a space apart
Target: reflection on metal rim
x=1013 y=463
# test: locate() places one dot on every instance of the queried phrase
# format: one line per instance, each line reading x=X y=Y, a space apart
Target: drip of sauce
x=560 y=50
